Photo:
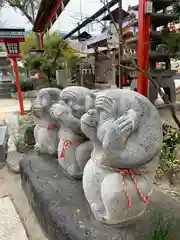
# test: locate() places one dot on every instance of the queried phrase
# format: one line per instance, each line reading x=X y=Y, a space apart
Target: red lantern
x=12 y=38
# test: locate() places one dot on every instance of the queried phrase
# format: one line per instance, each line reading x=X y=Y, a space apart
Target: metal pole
x=16 y=71
x=81 y=11
x=120 y=45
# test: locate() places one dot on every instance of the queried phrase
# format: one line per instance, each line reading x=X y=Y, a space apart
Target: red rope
x=51 y=127
x=131 y=173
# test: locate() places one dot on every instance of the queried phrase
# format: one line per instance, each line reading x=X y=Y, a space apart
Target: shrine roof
x=115 y=15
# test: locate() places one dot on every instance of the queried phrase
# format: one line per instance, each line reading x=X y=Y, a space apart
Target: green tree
x=172 y=40
x=57 y=55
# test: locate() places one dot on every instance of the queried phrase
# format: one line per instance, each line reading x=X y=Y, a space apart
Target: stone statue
x=46 y=128
x=74 y=147
x=127 y=135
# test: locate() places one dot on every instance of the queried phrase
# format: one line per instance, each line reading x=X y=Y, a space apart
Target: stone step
x=5 y=88
x=6 y=81
x=5 y=95
x=63 y=212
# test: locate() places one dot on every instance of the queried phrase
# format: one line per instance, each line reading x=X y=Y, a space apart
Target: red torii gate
x=48 y=13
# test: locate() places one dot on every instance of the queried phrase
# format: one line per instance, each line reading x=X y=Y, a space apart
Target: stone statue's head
x=108 y=106
x=59 y=110
x=79 y=99
x=46 y=97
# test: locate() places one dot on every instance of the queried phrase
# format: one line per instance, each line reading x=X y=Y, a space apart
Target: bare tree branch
x=28 y=8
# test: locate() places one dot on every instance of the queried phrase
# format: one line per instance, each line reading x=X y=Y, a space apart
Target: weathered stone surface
x=74 y=148
x=126 y=132
x=13 y=159
x=63 y=212
x=11 y=227
x=46 y=129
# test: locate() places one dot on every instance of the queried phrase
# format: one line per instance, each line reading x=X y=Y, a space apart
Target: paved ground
x=8 y=106
x=11 y=226
x=10 y=185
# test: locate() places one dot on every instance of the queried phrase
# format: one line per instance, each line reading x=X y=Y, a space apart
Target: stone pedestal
x=63 y=212
x=3 y=143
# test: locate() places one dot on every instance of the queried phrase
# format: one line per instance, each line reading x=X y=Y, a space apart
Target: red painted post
x=15 y=66
x=140 y=46
x=42 y=40
x=39 y=75
x=143 y=48
x=146 y=52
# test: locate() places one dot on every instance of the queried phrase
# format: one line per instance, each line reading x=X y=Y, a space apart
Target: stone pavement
x=11 y=227
x=10 y=185
x=9 y=106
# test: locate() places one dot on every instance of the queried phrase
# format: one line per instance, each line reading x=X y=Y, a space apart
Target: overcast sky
x=66 y=21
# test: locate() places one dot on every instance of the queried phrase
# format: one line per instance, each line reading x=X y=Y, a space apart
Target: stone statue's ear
x=90 y=101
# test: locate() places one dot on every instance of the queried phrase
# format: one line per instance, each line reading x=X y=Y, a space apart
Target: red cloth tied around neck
x=51 y=127
x=66 y=145
x=131 y=173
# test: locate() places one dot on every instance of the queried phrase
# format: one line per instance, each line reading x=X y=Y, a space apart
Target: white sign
x=113 y=36
x=10 y=34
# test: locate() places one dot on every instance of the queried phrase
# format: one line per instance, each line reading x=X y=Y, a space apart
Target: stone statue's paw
x=89 y=119
x=124 y=125
x=98 y=211
x=95 y=207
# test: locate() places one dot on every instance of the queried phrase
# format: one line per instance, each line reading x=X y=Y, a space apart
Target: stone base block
x=3 y=143
x=64 y=214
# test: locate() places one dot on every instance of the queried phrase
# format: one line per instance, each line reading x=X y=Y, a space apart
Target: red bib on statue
x=66 y=145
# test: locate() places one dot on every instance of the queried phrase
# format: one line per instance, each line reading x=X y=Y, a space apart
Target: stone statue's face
x=60 y=110
x=101 y=113
x=46 y=100
x=100 y=119
x=37 y=109
x=76 y=108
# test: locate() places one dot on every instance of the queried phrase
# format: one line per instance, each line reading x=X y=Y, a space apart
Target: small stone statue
x=127 y=135
x=74 y=148
x=46 y=128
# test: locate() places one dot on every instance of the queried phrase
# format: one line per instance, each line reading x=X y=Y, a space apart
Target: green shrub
x=161 y=230
x=168 y=163
x=25 y=140
x=21 y=147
